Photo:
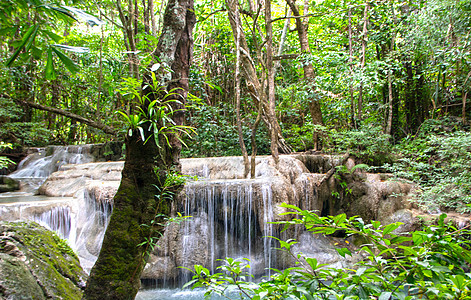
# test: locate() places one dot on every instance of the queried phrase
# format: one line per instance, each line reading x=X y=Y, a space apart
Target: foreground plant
x=432 y=263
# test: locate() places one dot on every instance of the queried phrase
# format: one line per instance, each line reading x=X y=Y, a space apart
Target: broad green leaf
x=27 y=39
x=391 y=227
x=69 y=64
x=50 y=72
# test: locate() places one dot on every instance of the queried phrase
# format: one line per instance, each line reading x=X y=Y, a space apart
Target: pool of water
x=173 y=294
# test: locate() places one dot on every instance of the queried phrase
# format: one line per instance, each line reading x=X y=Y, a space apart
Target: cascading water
x=225 y=222
x=35 y=168
x=57 y=219
x=231 y=216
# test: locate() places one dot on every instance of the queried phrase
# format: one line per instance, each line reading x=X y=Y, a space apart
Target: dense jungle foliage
x=387 y=81
x=391 y=78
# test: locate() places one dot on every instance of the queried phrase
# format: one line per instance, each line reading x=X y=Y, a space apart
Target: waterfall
x=225 y=216
x=44 y=162
x=57 y=219
x=91 y=219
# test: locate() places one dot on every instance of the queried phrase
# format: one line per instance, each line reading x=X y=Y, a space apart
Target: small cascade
x=93 y=211
x=225 y=223
x=46 y=161
x=57 y=219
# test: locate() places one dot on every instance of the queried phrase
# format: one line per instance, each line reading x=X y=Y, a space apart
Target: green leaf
x=72 y=49
x=69 y=64
x=55 y=37
x=344 y=251
x=339 y=219
x=62 y=11
x=27 y=39
x=50 y=73
x=391 y=227
x=385 y=296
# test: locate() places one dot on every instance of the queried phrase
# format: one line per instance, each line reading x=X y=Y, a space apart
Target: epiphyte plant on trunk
x=156 y=114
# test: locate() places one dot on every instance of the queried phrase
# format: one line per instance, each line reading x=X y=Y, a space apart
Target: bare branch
x=105 y=128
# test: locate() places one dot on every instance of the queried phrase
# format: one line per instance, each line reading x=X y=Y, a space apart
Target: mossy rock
x=35 y=263
x=8 y=184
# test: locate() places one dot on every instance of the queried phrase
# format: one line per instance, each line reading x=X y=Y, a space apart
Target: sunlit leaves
x=432 y=267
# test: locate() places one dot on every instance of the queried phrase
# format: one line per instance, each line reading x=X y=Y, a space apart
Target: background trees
x=363 y=67
x=386 y=64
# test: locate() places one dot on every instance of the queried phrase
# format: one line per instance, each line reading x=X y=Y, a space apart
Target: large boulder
x=36 y=264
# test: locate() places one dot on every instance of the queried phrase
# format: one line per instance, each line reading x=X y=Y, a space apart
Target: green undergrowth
x=432 y=263
x=438 y=160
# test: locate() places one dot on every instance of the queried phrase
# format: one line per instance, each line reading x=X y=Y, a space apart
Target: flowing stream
x=230 y=216
x=224 y=221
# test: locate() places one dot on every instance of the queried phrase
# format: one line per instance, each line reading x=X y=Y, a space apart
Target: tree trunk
x=237 y=96
x=350 y=64
x=125 y=249
x=390 y=104
x=152 y=17
x=309 y=75
x=271 y=82
x=363 y=59
x=255 y=87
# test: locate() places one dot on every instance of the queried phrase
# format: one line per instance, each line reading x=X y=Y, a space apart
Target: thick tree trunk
x=116 y=274
x=125 y=249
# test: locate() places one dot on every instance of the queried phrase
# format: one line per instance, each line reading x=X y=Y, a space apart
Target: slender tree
x=151 y=162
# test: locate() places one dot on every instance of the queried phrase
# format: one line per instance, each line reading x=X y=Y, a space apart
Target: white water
x=230 y=218
x=38 y=165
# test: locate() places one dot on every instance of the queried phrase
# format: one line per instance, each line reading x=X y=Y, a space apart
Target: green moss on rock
x=37 y=264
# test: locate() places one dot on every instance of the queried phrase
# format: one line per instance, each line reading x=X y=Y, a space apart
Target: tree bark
x=237 y=96
x=350 y=64
x=125 y=249
x=309 y=74
x=363 y=60
x=271 y=82
x=152 y=17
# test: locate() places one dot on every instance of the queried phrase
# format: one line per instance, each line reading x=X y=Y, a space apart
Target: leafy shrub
x=439 y=163
x=432 y=263
x=368 y=143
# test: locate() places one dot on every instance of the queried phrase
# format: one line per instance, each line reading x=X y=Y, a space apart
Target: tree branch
x=105 y=128
x=286 y=56
x=213 y=13
x=315 y=15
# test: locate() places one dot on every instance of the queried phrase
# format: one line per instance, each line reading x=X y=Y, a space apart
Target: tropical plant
x=432 y=263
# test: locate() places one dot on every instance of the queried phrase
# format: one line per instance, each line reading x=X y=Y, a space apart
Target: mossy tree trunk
x=116 y=274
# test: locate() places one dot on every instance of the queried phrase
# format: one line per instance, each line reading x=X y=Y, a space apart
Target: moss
x=49 y=259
